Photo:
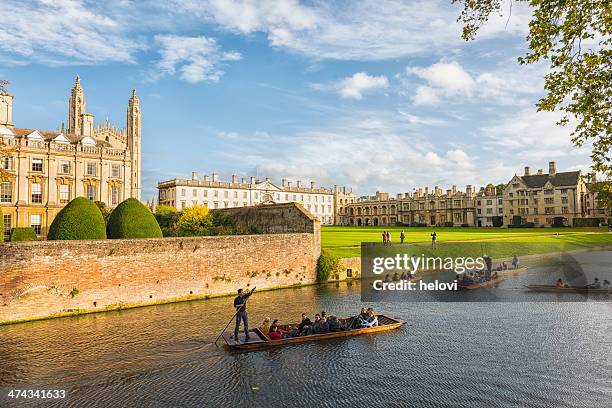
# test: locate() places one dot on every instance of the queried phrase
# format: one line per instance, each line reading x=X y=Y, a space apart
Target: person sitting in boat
x=395 y=277
x=404 y=276
x=466 y=280
x=320 y=326
x=278 y=329
x=595 y=284
x=494 y=276
x=505 y=265
x=274 y=334
x=372 y=319
x=265 y=326
x=335 y=325
x=388 y=278
x=559 y=284
x=606 y=284
x=305 y=324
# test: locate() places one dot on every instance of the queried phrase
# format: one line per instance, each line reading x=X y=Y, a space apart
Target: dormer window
x=88 y=141
x=61 y=139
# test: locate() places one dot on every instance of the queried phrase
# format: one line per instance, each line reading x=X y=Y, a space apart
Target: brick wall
x=37 y=278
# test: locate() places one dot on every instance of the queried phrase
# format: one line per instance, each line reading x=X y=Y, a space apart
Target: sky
x=372 y=95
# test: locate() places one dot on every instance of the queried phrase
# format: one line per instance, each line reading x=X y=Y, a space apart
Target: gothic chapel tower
x=76 y=108
x=133 y=140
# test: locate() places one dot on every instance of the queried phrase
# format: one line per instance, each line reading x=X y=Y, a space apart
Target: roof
x=567 y=178
x=50 y=135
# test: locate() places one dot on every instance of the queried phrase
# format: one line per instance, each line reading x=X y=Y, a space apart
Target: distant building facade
x=489 y=208
x=214 y=193
x=540 y=198
x=47 y=169
x=422 y=207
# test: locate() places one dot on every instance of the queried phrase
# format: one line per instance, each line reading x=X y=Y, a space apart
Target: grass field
x=345 y=241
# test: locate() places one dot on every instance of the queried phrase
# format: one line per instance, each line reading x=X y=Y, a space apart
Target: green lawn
x=345 y=241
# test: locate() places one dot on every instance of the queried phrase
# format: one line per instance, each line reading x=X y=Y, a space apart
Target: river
x=478 y=354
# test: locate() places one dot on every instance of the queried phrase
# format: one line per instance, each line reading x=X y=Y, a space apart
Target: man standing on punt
x=241 y=313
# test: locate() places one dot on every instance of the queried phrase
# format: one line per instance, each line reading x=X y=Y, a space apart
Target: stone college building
x=47 y=169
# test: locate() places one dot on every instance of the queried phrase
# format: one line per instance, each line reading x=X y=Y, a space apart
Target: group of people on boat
x=322 y=324
x=595 y=285
x=473 y=277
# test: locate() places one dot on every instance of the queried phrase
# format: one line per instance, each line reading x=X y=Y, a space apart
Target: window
x=91 y=169
x=37 y=165
x=7 y=226
x=36 y=223
x=64 y=193
x=114 y=195
x=205 y=192
x=91 y=192
x=489 y=202
x=182 y=192
x=549 y=191
x=549 y=201
x=36 y=193
x=64 y=167
x=564 y=210
x=6 y=163
x=489 y=211
x=6 y=192
x=116 y=170
x=564 y=200
x=195 y=192
x=244 y=195
x=225 y=194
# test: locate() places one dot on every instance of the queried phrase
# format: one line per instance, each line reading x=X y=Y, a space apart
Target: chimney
x=215 y=177
x=454 y=189
x=448 y=192
x=527 y=171
x=288 y=184
x=242 y=180
x=299 y=184
x=468 y=189
x=540 y=172
x=194 y=175
x=252 y=179
x=552 y=168
x=399 y=196
x=312 y=185
x=426 y=191
x=283 y=182
x=6 y=110
x=234 y=178
x=206 y=178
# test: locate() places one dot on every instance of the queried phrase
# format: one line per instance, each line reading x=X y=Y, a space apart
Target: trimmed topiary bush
x=79 y=219
x=131 y=219
x=23 y=234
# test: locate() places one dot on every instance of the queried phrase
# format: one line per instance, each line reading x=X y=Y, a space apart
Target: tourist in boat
x=505 y=265
x=241 y=313
x=335 y=325
x=388 y=278
x=265 y=326
x=606 y=284
x=305 y=324
x=278 y=329
x=560 y=284
x=320 y=326
x=372 y=319
x=494 y=275
x=595 y=285
x=434 y=238
x=274 y=334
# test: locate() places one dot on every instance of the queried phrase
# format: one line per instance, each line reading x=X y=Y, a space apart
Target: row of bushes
x=82 y=219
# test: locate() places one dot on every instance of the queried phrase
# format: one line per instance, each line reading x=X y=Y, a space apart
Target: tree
x=195 y=221
x=79 y=219
x=131 y=219
x=167 y=218
x=575 y=36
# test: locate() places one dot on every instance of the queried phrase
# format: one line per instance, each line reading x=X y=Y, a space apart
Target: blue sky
x=371 y=95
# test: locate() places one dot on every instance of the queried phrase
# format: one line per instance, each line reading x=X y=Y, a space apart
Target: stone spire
x=76 y=108
x=134 y=142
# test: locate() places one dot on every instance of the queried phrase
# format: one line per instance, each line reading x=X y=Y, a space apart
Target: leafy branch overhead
x=575 y=37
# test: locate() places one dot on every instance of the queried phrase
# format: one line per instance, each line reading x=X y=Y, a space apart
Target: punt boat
x=573 y=289
x=259 y=340
x=479 y=285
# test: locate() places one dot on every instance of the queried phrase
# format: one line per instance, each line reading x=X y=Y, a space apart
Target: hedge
x=23 y=234
x=79 y=219
x=587 y=222
x=131 y=219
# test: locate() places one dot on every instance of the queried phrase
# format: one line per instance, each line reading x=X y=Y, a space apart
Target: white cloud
x=196 y=58
x=449 y=81
x=358 y=30
x=354 y=86
x=66 y=32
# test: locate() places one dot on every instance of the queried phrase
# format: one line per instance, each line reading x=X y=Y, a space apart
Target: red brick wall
x=36 y=278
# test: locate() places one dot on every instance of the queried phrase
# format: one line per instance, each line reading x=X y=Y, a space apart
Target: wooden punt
x=506 y=272
x=481 y=284
x=573 y=289
x=259 y=340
